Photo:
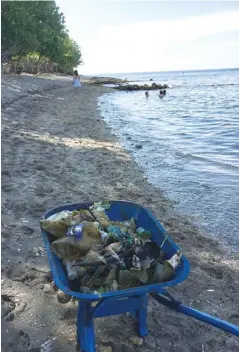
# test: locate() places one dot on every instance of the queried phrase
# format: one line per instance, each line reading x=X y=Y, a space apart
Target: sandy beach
x=57 y=149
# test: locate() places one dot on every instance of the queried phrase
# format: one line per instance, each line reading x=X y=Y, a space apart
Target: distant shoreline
x=150 y=72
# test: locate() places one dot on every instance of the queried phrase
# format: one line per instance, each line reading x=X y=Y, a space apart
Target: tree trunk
x=38 y=63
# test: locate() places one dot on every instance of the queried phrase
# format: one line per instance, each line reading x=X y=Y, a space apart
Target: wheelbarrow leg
x=142 y=316
x=85 y=328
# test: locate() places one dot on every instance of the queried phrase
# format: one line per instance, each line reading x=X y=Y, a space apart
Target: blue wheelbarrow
x=134 y=300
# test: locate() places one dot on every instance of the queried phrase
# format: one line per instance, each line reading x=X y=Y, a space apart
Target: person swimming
x=147 y=94
x=162 y=93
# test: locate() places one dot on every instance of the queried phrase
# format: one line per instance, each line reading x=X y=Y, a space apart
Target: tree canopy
x=30 y=27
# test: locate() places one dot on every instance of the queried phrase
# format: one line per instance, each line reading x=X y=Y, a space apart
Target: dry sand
x=56 y=149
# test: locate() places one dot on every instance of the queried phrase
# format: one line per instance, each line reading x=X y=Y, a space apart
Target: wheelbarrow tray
x=119 y=211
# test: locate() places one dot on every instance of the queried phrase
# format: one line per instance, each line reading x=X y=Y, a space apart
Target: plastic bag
x=94 y=257
x=127 y=279
x=91 y=229
x=74 y=247
x=71 y=248
x=82 y=215
x=101 y=206
x=127 y=226
x=73 y=269
x=102 y=218
x=57 y=224
x=110 y=256
x=113 y=287
x=141 y=275
x=110 y=278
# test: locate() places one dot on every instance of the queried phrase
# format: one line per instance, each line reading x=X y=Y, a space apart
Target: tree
x=37 y=27
x=18 y=28
x=70 y=55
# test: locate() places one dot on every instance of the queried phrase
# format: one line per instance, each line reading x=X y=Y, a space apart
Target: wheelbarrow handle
x=166 y=300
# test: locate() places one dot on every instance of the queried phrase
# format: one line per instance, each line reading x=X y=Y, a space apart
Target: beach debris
x=47 y=288
x=78 y=241
x=127 y=279
x=62 y=297
x=164 y=272
x=101 y=255
x=71 y=268
x=38 y=251
x=105 y=349
x=136 y=340
x=101 y=206
x=47 y=346
x=57 y=224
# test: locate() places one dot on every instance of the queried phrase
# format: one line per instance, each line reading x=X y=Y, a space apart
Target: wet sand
x=56 y=149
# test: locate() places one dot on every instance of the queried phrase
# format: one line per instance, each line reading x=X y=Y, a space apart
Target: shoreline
x=187 y=173
x=54 y=144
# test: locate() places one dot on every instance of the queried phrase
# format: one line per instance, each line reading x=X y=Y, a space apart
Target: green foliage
x=72 y=55
x=37 y=28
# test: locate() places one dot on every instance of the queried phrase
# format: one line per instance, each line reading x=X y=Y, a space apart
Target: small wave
x=207 y=160
x=203 y=85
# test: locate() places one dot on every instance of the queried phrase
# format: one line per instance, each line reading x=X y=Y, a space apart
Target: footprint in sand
x=11 y=306
x=8 y=306
x=234 y=319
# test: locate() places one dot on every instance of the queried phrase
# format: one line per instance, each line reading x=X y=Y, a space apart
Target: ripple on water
x=190 y=143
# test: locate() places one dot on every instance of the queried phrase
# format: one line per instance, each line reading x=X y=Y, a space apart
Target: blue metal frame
x=108 y=307
x=163 y=298
x=131 y=300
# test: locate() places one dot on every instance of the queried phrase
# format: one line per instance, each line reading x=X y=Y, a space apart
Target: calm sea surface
x=190 y=142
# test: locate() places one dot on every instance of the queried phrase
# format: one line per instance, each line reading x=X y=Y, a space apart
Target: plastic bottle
x=71 y=269
x=103 y=236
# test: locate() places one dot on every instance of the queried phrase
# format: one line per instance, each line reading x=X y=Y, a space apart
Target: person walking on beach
x=76 y=79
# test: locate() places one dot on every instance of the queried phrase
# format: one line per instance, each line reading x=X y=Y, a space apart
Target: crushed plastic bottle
x=70 y=269
x=165 y=272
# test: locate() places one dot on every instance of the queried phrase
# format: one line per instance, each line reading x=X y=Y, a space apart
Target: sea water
x=190 y=142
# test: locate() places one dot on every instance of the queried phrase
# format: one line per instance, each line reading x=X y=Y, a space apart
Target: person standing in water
x=162 y=93
x=147 y=94
x=76 y=79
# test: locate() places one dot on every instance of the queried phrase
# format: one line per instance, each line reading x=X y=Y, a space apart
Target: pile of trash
x=104 y=255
